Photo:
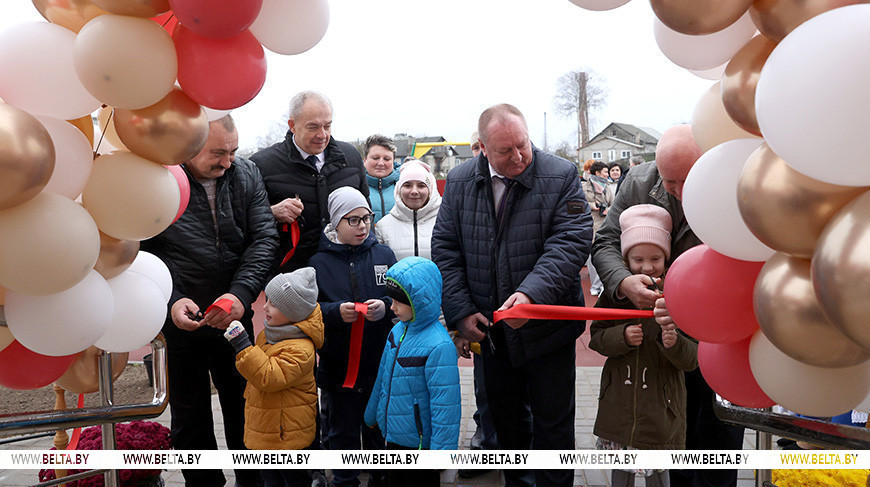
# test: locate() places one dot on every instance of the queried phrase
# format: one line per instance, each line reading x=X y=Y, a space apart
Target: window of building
x=626 y=154
x=596 y=155
x=611 y=155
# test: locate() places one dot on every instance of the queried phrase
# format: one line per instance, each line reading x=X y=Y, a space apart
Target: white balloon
x=711 y=124
x=811 y=97
x=713 y=74
x=37 y=72
x=710 y=201
x=704 y=51
x=599 y=5
x=213 y=114
x=291 y=27
x=74 y=158
x=150 y=265
x=140 y=311
x=806 y=389
x=64 y=323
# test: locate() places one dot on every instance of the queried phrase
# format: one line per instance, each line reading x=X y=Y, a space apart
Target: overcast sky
x=430 y=68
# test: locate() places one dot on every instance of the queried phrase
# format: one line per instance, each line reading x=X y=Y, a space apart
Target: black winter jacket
x=236 y=260
x=543 y=241
x=286 y=175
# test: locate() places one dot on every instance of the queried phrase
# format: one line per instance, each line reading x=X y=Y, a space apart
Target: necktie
x=504 y=196
x=313 y=160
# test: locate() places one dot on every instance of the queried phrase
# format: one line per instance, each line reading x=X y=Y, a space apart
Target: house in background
x=437 y=152
x=619 y=141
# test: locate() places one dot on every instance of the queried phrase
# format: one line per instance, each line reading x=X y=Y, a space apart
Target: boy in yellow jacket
x=281 y=396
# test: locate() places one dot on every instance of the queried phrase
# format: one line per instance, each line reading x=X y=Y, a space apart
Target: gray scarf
x=275 y=334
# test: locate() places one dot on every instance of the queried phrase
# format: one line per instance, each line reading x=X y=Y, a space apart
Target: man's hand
x=348 y=312
x=635 y=287
x=287 y=211
x=513 y=300
x=377 y=309
x=462 y=346
x=633 y=335
x=181 y=312
x=218 y=318
x=467 y=328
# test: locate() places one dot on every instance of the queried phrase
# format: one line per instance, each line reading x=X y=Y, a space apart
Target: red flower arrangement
x=135 y=435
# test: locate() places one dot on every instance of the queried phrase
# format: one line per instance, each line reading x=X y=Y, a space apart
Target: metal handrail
x=815 y=431
x=33 y=422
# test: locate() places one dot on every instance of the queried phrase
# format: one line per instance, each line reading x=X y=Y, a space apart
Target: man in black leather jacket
x=219 y=253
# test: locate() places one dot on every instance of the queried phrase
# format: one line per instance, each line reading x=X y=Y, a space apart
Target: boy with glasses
x=351 y=277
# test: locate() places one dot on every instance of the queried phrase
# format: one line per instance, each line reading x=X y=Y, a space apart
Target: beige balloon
x=115 y=255
x=106 y=122
x=47 y=245
x=169 y=132
x=125 y=62
x=26 y=156
x=711 y=124
x=776 y=18
x=785 y=209
x=841 y=266
x=83 y=376
x=71 y=14
x=135 y=8
x=740 y=80
x=792 y=319
x=699 y=17
x=131 y=198
x=6 y=337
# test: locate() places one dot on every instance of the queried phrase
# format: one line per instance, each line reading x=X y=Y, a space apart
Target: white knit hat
x=343 y=201
x=294 y=293
x=646 y=224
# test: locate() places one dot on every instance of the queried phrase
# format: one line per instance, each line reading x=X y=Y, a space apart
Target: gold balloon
x=85 y=126
x=6 y=337
x=776 y=18
x=841 y=270
x=136 y=8
x=115 y=255
x=711 y=124
x=170 y=132
x=792 y=319
x=26 y=156
x=698 y=17
x=740 y=80
x=106 y=123
x=785 y=209
x=83 y=376
x=2 y=296
x=71 y=14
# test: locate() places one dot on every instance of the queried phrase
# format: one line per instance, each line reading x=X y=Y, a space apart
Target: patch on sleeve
x=574 y=207
x=380 y=275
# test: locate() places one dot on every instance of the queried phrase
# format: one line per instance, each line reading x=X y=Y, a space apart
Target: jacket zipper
x=416 y=246
x=634 y=396
x=390 y=387
x=419 y=422
x=381 y=191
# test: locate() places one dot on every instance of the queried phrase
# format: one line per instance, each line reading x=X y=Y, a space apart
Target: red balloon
x=709 y=295
x=725 y=367
x=24 y=369
x=183 y=186
x=219 y=73
x=217 y=19
x=168 y=21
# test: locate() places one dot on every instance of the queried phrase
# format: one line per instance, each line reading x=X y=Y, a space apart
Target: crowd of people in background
x=375 y=284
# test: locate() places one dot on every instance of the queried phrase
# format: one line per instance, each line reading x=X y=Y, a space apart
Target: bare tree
x=578 y=92
x=565 y=150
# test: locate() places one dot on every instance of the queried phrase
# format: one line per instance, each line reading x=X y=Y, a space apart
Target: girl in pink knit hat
x=642 y=403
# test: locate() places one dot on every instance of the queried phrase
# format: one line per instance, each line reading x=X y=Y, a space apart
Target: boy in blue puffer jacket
x=416 y=398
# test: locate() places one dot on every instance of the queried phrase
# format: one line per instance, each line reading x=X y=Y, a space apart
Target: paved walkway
x=587 y=393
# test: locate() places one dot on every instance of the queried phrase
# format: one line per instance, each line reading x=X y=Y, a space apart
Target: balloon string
x=103 y=131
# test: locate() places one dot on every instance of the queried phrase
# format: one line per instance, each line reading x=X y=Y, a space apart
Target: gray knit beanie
x=294 y=293
x=343 y=201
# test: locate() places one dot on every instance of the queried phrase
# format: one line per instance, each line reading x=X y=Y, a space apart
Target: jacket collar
x=388 y=181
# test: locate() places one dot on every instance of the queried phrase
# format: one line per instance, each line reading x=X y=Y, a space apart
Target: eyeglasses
x=354 y=221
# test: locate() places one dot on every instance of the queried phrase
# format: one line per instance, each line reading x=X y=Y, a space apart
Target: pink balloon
x=183 y=186
x=219 y=73
x=725 y=367
x=709 y=295
x=24 y=369
x=217 y=19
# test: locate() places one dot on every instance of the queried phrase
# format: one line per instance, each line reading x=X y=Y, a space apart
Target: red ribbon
x=293 y=228
x=74 y=439
x=552 y=312
x=356 y=336
x=226 y=305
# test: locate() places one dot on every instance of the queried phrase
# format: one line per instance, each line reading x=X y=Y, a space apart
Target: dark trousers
x=544 y=386
x=285 y=478
x=192 y=358
x=410 y=478
x=482 y=416
x=706 y=432
x=344 y=428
